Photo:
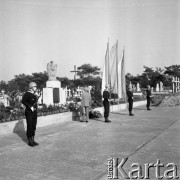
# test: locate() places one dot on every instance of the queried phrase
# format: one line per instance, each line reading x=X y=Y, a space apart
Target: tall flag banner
x=114 y=72
x=123 y=78
x=106 y=72
x=119 y=80
x=113 y=68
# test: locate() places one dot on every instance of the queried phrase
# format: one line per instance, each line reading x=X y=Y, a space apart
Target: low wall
x=122 y=106
x=20 y=125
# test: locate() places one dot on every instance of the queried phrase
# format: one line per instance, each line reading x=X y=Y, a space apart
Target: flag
x=119 y=80
x=123 y=78
x=113 y=61
x=106 y=73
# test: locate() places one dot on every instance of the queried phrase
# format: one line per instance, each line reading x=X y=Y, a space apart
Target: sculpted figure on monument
x=161 y=86
x=52 y=71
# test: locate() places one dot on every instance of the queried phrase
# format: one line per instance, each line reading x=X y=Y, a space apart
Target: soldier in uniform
x=130 y=100
x=106 y=96
x=148 y=97
x=30 y=101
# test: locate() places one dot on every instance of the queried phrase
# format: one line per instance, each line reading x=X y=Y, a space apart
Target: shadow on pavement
x=96 y=119
x=140 y=109
x=125 y=114
x=19 y=129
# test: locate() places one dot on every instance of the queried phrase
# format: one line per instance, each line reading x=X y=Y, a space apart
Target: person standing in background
x=130 y=100
x=106 y=96
x=148 y=97
x=86 y=103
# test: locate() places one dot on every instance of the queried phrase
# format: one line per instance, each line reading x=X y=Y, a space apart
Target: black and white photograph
x=89 y=89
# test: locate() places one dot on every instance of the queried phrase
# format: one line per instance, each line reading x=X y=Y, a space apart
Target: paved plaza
x=80 y=151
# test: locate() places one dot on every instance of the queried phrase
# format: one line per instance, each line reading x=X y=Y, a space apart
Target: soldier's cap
x=32 y=84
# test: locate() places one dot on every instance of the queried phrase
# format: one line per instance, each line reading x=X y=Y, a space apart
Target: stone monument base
x=49 y=94
x=53 y=84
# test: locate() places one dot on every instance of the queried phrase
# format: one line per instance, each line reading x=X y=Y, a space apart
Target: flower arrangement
x=77 y=111
x=10 y=114
x=94 y=114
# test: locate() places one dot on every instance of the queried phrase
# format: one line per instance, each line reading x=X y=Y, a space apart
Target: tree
x=40 y=79
x=173 y=70
x=3 y=86
x=21 y=82
x=90 y=76
x=12 y=86
x=88 y=70
x=148 y=70
x=128 y=78
x=151 y=77
x=65 y=82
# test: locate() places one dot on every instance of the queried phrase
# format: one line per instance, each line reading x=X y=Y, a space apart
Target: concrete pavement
x=79 y=151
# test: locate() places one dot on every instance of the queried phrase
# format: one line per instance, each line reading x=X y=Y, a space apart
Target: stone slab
x=53 y=84
x=48 y=96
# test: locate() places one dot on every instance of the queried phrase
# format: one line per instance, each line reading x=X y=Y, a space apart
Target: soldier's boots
x=34 y=142
x=130 y=114
x=107 y=120
x=30 y=142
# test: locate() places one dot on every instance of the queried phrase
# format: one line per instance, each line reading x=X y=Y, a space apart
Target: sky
x=76 y=32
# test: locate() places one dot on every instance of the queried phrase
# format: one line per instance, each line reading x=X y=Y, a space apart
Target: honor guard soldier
x=148 y=97
x=106 y=96
x=130 y=100
x=30 y=101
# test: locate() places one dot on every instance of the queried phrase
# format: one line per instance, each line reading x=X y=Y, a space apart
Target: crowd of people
x=30 y=100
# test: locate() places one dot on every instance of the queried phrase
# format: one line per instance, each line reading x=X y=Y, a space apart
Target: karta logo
x=115 y=168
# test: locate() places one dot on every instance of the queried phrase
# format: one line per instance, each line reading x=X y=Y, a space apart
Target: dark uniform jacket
x=148 y=94
x=106 y=95
x=130 y=95
x=29 y=100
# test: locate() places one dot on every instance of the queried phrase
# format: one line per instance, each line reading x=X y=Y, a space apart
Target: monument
x=53 y=94
x=137 y=90
x=52 y=74
x=176 y=84
x=157 y=87
x=161 y=86
x=138 y=87
x=152 y=89
x=130 y=85
x=4 y=98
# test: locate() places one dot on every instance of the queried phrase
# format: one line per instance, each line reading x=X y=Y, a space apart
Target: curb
x=19 y=125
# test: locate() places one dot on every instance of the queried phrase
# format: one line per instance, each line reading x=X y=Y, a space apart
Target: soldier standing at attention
x=106 y=96
x=130 y=100
x=148 y=96
x=30 y=101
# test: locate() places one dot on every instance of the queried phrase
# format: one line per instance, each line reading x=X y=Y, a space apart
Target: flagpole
x=109 y=77
x=117 y=72
x=105 y=74
x=108 y=71
x=125 y=99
